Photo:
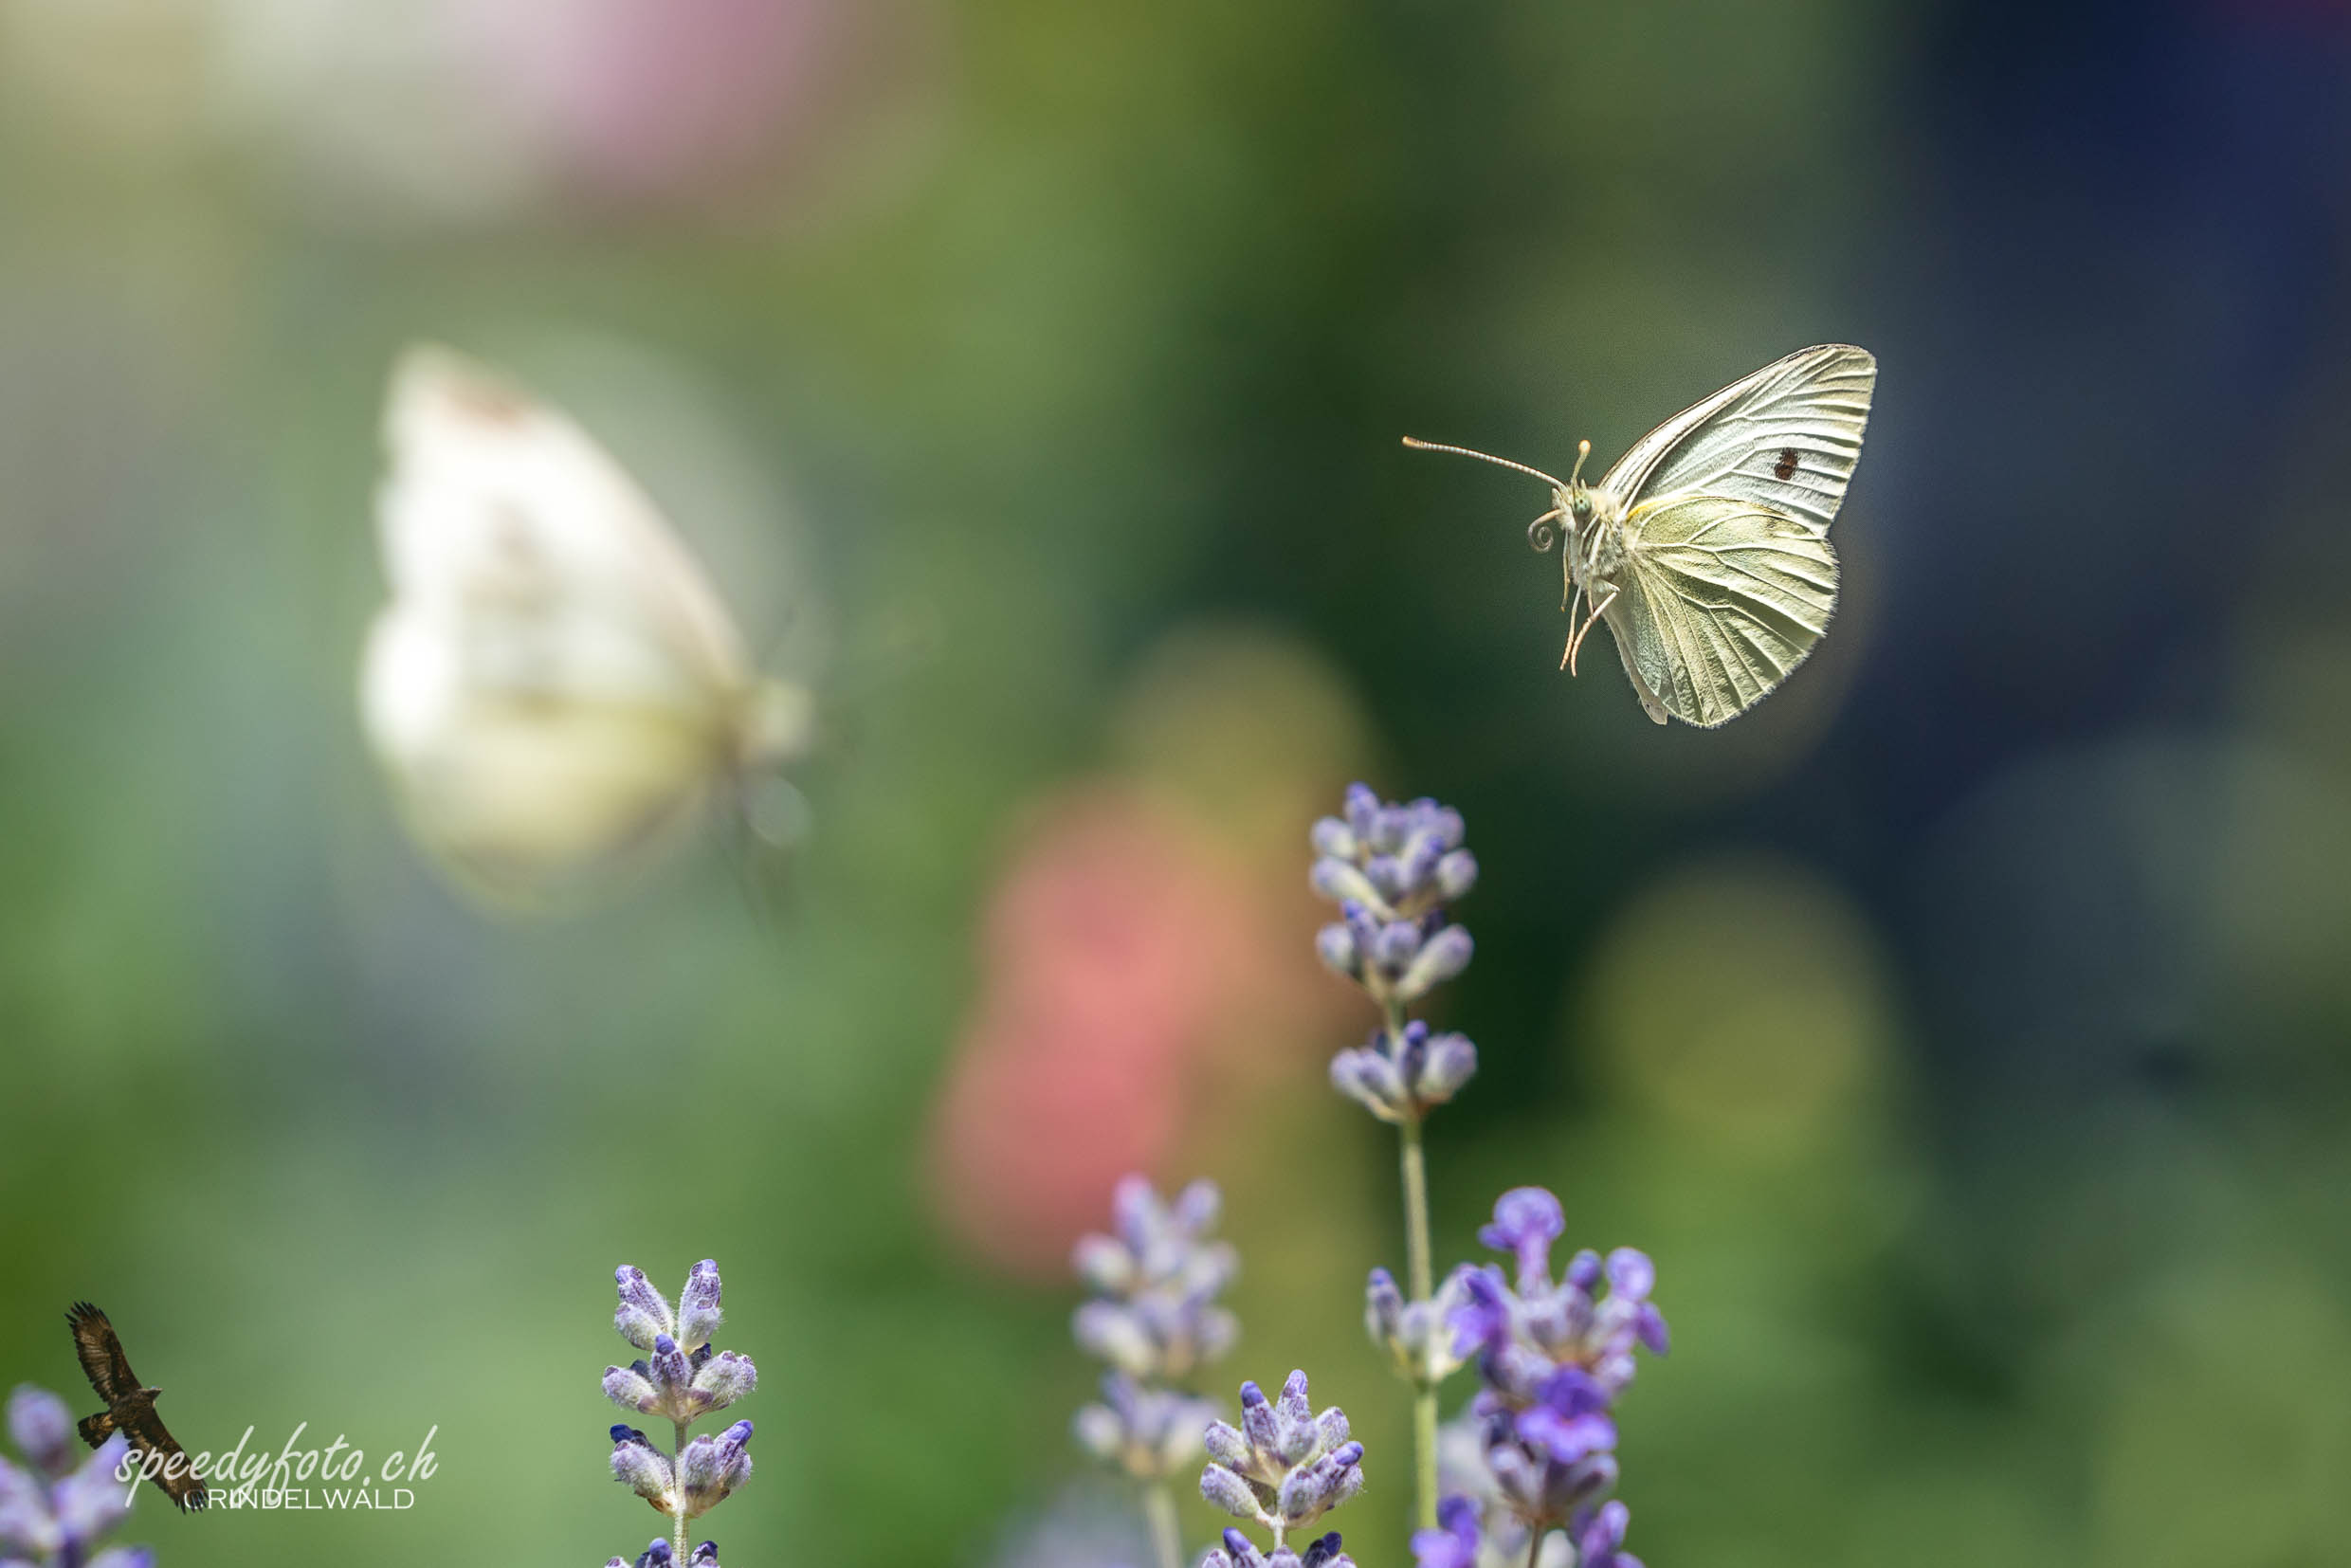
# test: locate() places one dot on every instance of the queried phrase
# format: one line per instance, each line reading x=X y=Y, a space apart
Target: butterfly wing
x=1786 y=437
x=555 y=682
x=1719 y=599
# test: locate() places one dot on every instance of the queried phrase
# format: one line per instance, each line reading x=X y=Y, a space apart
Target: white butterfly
x=554 y=684
x=1706 y=547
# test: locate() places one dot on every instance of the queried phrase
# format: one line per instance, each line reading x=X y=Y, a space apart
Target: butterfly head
x=1575 y=496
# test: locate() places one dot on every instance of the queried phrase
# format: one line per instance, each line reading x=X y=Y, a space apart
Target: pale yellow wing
x=1786 y=437
x=1719 y=599
x=555 y=686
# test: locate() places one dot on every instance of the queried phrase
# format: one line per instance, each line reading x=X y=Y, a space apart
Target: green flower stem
x=678 y=1460
x=1421 y=1279
x=1160 y=1507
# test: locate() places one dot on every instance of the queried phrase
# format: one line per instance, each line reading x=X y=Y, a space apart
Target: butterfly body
x=1706 y=548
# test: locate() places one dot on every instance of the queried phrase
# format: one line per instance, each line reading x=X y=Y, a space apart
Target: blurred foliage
x=1963 y=1032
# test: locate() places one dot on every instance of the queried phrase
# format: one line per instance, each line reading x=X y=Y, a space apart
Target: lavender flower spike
x=1283 y=1467
x=1399 y=1077
x=1392 y=870
x=1554 y=1357
x=1155 y=1281
x=55 y=1512
x=1240 y=1552
x=680 y=1380
x=42 y=1430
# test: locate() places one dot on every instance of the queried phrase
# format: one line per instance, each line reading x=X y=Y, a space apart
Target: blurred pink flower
x=652 y=98
x=1122 y=950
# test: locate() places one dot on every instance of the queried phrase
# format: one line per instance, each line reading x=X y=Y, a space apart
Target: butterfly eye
x=1582 y=508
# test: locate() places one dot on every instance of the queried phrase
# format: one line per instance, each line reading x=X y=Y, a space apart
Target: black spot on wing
x=1786 y=465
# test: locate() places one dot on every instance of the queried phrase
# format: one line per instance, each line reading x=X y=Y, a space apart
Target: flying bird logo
x=130 y=1408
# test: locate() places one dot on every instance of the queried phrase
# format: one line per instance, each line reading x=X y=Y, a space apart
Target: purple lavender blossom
x=1283 y=1467
x=1240 y=1552
x=1155 y=1281
x=1149 y=1433
x=1552 y=1358
x=1418 y=1335
x=1454 y=1542
x=54 y=1511
x=1400 y=1076
x=712 y=1466
x=680 y=1380
x=661 y=1555
x=1600 y=1535
x=1392 y=869
x=1521 y=1337
x=1477 y=1532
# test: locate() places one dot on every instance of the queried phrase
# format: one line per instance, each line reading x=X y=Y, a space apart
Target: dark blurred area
x=1964 y=1030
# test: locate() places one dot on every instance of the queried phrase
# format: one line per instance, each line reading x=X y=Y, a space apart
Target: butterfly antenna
x=1419 y=445
x=1583 y=450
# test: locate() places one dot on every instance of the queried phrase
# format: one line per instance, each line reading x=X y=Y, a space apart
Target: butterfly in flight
x=555 y=686
x=1705 y=549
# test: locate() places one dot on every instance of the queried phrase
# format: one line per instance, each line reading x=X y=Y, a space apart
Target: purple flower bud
x=1100 y=1433
x=667 y=1369
x=43 y=1428
x=1344 y=882
x=1599 y=1536
x=1454 y=1542
x=1109 y=1331
x=713 y=1467
x=1631 y=1275
x=1363 y=810
x=642 y=1468
x=1583 y=1270
x=1649 y=1327
x=1330 y=1431
x=1226 y=1489
x=1440 y=959
x=641 y=1313
x=1527 y=1221
x=89 y=1501
x=722 y=1379
x=705 y=1555
x=1383 y=1308
x=656 y=1556
x=698 y=1305
x=1456 y=874
x=1394 y=947
x=1324 y=1553
x=1481 y=1323
x=1225 y=1445
x=1103 y=1263
x=1372 y=1080
x=630 y=1389
x=1257 y=1419
x=1197 y=1209
x=1448 y=1062
x=1330 y=836
x=1335 y=945
x=1294 y=1416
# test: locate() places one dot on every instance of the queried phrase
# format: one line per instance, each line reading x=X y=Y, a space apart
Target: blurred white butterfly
x=555 y=686
x=1706 y=547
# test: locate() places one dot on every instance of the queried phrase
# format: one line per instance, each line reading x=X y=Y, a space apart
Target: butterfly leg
x=1577 y=641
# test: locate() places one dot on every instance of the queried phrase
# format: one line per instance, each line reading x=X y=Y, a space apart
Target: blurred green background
x=1964 y=1030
